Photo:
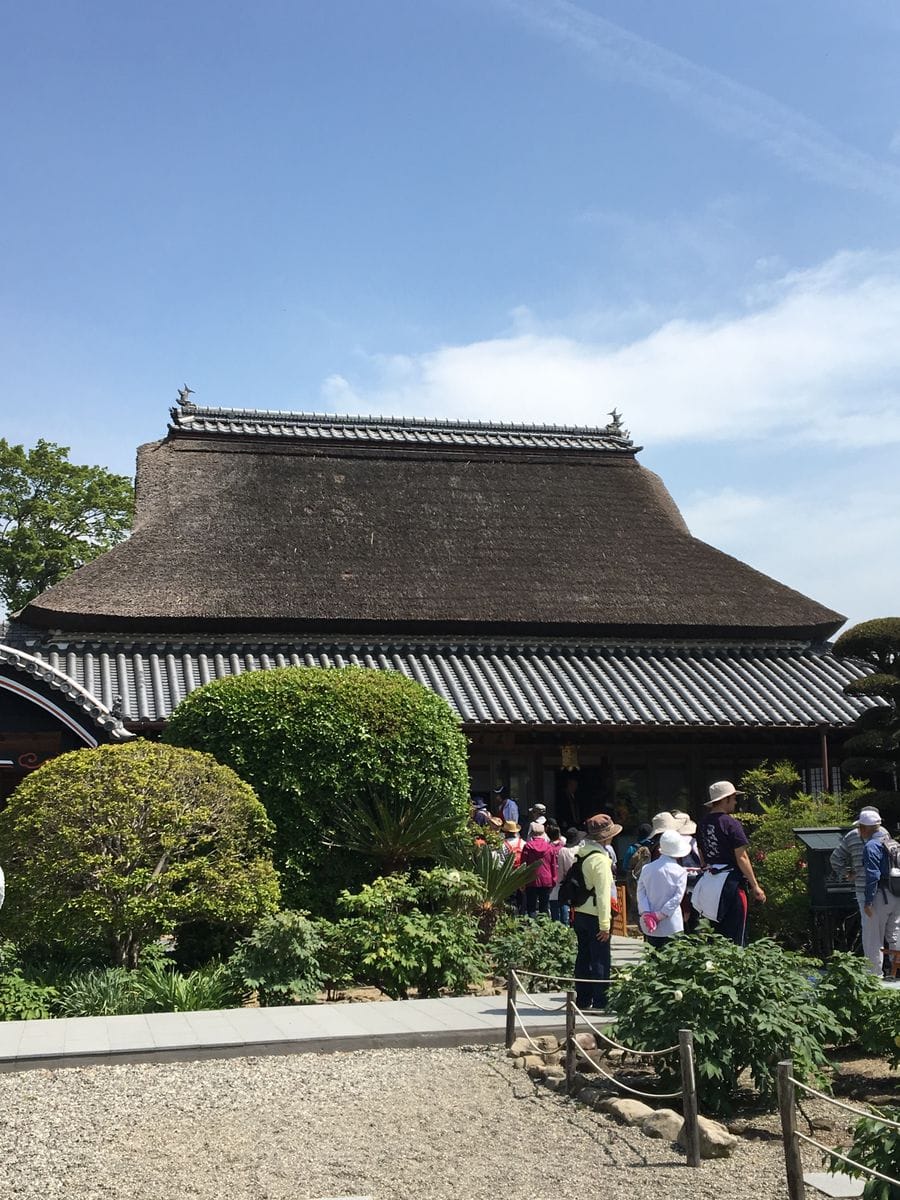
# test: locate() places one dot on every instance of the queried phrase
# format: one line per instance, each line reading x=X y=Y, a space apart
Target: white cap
x=869 y=817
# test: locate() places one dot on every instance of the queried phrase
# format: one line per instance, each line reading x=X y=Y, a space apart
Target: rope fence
x=791 y=1136
x=687 y=1093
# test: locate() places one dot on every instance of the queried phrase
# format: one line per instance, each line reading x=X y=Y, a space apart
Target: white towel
x=707 y=893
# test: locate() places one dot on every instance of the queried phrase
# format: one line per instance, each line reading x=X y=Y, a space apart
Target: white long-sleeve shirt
x=660 y=890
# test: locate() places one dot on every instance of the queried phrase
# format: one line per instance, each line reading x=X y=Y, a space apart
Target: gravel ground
x=389 y=1124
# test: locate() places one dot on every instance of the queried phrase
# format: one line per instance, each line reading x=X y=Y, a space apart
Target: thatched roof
x=262 y=521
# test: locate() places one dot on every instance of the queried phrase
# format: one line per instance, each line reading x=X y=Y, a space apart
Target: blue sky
x=508 y=209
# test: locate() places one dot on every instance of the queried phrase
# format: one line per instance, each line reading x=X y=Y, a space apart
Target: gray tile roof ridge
x=187 y=417
x=152 y=642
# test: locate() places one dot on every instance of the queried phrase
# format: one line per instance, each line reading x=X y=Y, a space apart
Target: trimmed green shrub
x=748 y=1009
x=115 y=846
x=535 y=944
x=395 y=946
x=875 y=1146
x=316 y=742
x=279 y=960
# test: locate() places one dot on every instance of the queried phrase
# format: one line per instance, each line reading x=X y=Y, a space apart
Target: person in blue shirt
x=509 y=810
x=860 y=858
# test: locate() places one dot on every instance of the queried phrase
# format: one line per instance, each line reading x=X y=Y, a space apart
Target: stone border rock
x=544 y=1060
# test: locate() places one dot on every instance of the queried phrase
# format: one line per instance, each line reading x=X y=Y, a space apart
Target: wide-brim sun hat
x=602 y=828
x=511 y=826
x=661 y=822
x=721 y=791
x=674 y=845
x=683 y=823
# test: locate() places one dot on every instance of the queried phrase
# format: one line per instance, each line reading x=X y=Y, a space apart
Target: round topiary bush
x=314 y=742
x=118 y=845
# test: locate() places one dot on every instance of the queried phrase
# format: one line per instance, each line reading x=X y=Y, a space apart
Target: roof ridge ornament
x=183 y=397
x=615 y=428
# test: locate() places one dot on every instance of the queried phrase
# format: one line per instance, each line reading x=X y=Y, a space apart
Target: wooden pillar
x=570 y=1041
x=787 y=1108
x=689 y=1097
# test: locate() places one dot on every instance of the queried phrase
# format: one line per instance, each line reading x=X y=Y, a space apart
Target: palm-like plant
x=500 y=878
x=397 y=827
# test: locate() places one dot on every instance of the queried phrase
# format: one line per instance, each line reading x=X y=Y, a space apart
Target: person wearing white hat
x=859 y=857
x=724 y=853
x=660 y=890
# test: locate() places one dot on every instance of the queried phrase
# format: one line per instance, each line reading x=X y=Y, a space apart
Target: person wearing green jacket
x=592 y=918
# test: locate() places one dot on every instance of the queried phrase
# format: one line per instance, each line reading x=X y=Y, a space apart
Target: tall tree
x=54 y=516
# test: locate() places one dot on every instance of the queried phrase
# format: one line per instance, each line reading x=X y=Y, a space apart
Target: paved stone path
x=452 y=1021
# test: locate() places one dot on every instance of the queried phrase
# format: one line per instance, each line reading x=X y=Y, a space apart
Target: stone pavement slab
x=448 y=1021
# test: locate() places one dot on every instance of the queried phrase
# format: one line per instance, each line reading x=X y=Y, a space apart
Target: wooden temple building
x=538 y=578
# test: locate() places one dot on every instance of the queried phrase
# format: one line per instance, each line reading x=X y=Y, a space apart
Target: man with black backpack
x=867 y=855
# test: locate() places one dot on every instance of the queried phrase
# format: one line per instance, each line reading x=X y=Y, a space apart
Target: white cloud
x=838 y=541
x=739 y=111
x=814 y=356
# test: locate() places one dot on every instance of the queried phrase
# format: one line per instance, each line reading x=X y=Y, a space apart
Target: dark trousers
x=732 y=922
x=537 y=900
x=592 y=962
x=658 y=942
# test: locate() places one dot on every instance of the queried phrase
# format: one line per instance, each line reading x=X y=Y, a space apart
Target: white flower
x=710 y=965
x=678 y=995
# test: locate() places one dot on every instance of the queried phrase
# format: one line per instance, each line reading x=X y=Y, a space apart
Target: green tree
x=118 y=845
x=54 y=516
x=316 y=744
x=778 y=858
x=873 y=749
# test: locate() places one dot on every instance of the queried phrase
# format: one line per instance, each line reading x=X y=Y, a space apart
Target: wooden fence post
x=689 y=1097
x=570 y=1041
x=786 y=1106
x=511 y=992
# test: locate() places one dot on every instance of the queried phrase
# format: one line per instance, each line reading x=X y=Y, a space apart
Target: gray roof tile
x=711 y=686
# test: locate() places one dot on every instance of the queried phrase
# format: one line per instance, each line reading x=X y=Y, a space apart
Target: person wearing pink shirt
x=538 y=849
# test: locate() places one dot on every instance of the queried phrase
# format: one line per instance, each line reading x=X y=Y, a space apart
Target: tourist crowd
x=676 y=871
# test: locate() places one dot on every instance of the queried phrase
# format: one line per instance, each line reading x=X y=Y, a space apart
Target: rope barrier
x=579 y=1049
x=528 y=1036
x=561 y=978
x=844 y=1158
x=840 y=1104
x=534 y=1002
x=627 y=1049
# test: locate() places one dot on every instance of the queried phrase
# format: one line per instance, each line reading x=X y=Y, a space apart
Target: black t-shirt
x=718 y=836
